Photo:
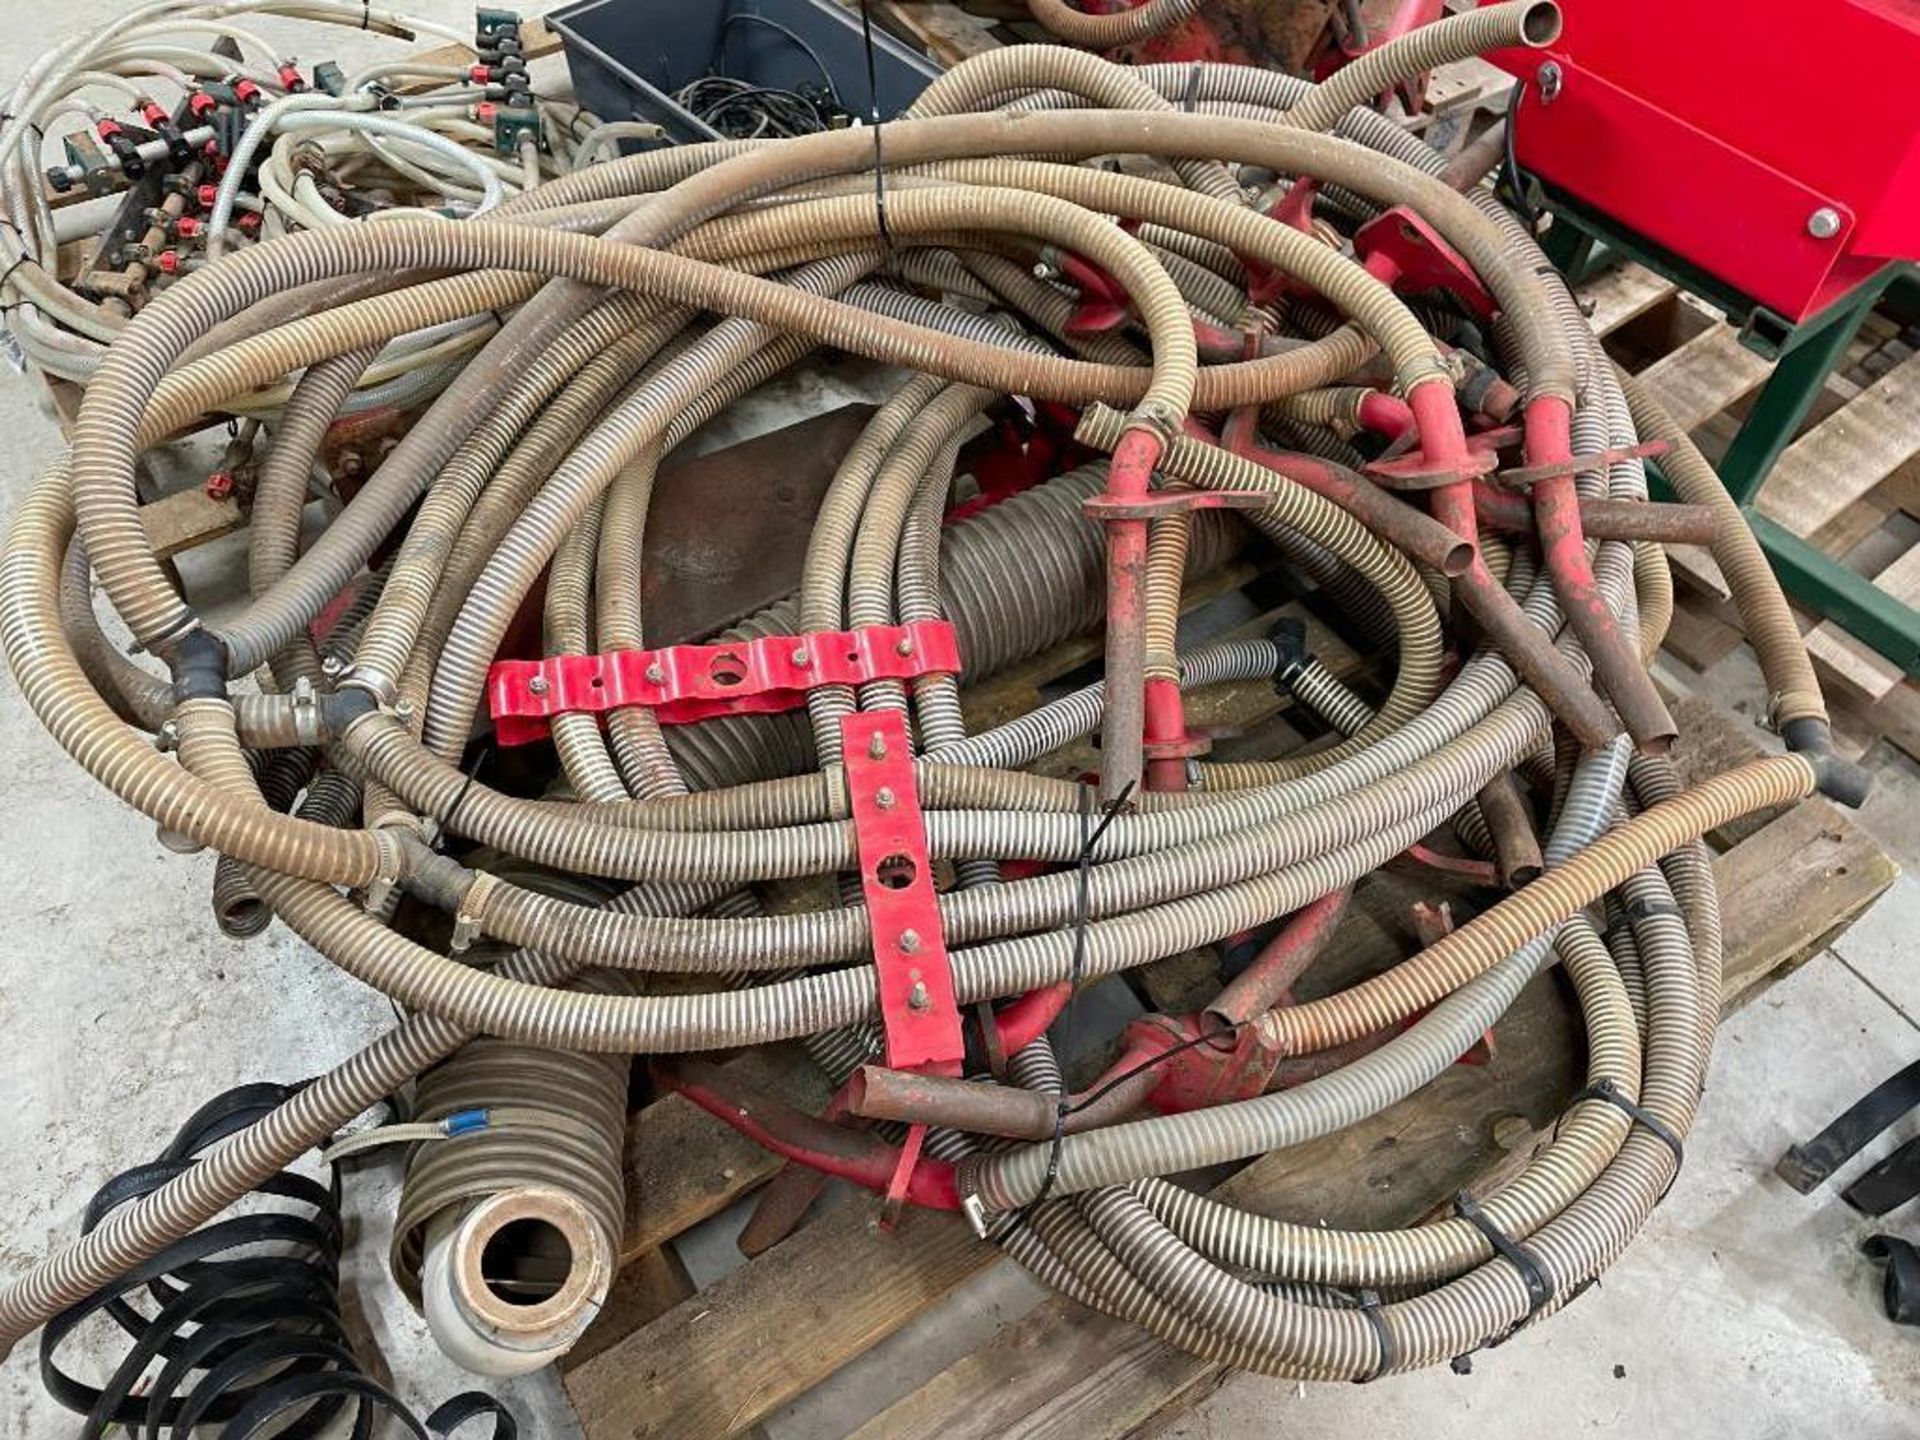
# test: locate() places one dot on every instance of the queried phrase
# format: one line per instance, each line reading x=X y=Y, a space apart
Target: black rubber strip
x=1901 y=1289
x=238 y=1324
x=1806 y=1165
x=1888 y=1185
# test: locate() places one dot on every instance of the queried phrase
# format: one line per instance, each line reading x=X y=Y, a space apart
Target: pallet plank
x=1705 y=375
x=775 y=1327
x=1622 y=293
x=1844 y=457
x=1853 y=664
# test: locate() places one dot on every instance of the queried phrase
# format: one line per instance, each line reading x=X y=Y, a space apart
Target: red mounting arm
x=684 y=683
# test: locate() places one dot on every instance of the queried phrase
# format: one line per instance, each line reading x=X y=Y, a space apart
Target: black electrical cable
x=241 y=1317
x=740 y=16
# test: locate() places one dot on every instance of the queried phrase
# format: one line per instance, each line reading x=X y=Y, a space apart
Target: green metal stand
x=1581 y=242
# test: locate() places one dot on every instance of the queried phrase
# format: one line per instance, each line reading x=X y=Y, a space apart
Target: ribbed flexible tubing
x=1442 y=42
x=103 y=471
x=1124 y=27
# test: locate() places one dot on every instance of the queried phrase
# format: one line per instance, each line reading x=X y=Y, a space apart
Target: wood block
x=684 y=1165
x=188 y=518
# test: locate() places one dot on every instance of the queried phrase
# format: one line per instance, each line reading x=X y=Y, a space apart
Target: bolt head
x=332 y=666
x=918 y=998
x=801 y=658
x=538 y=685
x=883 y=797
x=877 y=748
x=1824 y=223
x=910 y=942
x=1551 y=78
x=656 y=675
x=904 y=646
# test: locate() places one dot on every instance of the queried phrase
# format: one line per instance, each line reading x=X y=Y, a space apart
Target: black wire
x=473 y=771
x=873 y=119
x=1083 y=914
x=1510 y=167
x=800 y=41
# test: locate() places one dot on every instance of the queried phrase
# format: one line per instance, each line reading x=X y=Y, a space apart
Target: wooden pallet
x=669 y=1361
x=1849 y=483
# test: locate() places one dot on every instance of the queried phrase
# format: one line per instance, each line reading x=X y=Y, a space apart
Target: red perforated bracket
x=917 y=1008
x=918 y=1013
x=684 y=683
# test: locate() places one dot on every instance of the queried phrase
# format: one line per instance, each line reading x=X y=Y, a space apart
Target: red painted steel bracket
x=1160 y=503
x=1522 y=476
x=684 y=683
x=1415 y=257
x=919 y=1015
x=917 y=1008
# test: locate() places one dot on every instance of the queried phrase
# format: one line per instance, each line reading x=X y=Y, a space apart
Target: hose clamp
x=390 y=865
x=306 y=712
x=1155 y=416
x=472 y=911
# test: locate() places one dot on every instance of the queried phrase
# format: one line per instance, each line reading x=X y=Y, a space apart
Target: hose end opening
x=1541 y=24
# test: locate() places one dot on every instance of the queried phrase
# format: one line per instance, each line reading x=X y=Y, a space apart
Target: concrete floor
x=1744 y=1311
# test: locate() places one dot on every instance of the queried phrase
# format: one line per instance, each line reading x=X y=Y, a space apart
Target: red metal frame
x=685 y=683
x=1656 y=115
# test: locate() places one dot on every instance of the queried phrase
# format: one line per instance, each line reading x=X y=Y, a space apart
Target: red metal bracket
x=684 y=683
x=1161 y=503
x=918 y=1013
x=917 y=1007
x=1523 y=475
x=1410 y=255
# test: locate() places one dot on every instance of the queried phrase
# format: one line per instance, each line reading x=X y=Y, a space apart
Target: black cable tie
x=1190 y=98
x=1367 y=1302
x=1532 y=1274
x=1611 y=1093
x=446 y=825
x=7 y=274
x=366 y=14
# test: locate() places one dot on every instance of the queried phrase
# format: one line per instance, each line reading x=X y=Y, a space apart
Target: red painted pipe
x=1385 y=414
x=1443 y=442
x=1123 y=730
x=1165 y=723
x=832 y=1149
x=1556 y=508
x=1023 y=1021
x=1281 y=961
x=1387 y=516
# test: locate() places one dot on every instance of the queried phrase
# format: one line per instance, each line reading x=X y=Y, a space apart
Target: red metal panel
x=684 y=683
x=1718 y=132
x=917 y=1007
